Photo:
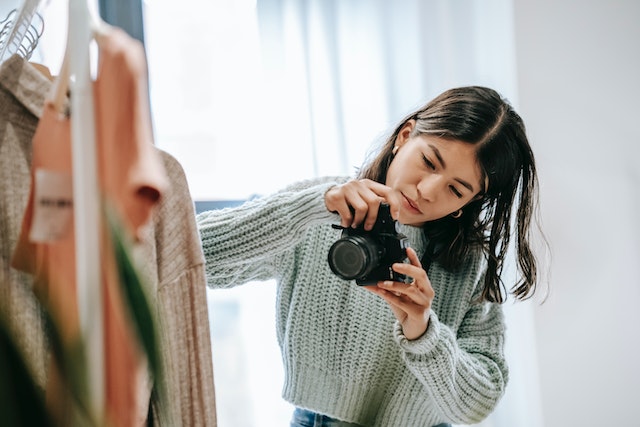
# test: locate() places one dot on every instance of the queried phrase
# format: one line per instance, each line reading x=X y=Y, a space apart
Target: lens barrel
x=353 y=257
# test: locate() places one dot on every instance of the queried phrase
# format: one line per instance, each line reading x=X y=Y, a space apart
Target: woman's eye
x=456 y=193
x=428 y=162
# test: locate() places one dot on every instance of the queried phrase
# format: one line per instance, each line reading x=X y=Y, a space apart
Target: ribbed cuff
x=422 y=345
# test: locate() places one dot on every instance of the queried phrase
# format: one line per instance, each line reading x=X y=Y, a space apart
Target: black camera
x=367 y=256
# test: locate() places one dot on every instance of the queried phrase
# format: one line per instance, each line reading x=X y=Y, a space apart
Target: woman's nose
x=429 y=187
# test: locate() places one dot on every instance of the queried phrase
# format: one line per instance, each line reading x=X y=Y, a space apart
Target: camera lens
x=353 y=257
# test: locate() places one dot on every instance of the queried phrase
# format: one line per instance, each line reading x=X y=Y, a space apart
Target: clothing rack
x=83 y=23
x=75 y=74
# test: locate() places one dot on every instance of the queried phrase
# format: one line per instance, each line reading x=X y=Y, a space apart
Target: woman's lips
x=411 y=205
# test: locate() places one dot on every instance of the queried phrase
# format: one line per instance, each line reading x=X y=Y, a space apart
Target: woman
x=396 y=354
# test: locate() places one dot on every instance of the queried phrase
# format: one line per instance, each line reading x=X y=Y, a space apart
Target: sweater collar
x=28 y=85
x=416 y=237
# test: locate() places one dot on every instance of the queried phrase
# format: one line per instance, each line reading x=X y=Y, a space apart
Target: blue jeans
x=304 y=418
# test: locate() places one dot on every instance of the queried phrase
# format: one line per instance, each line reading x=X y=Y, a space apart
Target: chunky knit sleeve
x=244 y=243
x=464 y=369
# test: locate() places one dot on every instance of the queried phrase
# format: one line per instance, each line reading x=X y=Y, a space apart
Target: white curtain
x=345 y=71
x=252 y=95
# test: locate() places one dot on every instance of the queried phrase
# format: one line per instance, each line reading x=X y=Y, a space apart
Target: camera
x=367 y=256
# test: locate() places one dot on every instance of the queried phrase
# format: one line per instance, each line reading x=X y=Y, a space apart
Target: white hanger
x=83 y=20
x=84 y=27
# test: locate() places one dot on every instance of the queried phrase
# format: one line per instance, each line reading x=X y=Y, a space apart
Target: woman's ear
x=405 y=132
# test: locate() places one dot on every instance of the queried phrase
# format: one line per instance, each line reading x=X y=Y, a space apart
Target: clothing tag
x=53 y=206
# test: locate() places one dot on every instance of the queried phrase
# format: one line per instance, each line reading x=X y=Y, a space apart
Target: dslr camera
x=367 y=256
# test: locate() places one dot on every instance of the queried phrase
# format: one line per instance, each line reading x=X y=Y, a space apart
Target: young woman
x=421 y=353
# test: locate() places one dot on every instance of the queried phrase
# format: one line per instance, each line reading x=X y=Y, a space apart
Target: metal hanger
x=21 y=30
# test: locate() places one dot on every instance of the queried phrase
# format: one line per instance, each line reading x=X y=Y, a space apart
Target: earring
x=395 y=150
x=457 y=214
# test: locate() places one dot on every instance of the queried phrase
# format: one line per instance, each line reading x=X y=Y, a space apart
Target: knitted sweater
x=343 y=351
x=170 y=252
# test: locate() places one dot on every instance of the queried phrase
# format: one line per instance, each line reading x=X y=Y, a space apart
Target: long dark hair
x=480 y=116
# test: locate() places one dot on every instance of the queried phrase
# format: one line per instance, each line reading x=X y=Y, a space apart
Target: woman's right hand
x=357 y=201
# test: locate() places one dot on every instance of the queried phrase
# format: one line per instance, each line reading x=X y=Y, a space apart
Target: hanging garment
x=177 y=282
x=131 y=182
x=46 y=246
x=22 y=91
x=180 y=287
x=172 y=252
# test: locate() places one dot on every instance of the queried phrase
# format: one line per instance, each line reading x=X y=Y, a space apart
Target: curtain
x=345 y=71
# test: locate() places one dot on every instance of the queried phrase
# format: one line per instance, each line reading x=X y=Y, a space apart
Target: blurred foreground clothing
x=168 y=248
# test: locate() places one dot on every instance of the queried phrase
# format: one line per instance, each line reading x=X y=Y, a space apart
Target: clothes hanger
x=85 y=26
x=20 y=32
x=16 y=37
x=97 y=28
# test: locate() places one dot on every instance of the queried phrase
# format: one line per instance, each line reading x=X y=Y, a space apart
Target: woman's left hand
x=410 y=302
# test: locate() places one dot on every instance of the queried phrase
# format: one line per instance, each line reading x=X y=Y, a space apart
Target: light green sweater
x=344 y=353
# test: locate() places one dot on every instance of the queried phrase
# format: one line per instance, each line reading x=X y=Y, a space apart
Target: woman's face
x=433 y=177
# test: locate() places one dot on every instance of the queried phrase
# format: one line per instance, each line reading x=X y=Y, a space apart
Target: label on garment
x=52 y=206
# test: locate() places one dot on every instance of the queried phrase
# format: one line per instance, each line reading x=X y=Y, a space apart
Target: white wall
x=579 y=92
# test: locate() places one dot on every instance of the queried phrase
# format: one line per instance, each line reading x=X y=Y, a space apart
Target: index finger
x=371 y=198
x=413 y=257
x=413 y=268
x=385 y=193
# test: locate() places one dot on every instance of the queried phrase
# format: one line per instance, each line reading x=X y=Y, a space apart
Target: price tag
x=53 y=206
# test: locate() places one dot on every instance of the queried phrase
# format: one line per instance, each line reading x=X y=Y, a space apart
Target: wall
x=578 y=72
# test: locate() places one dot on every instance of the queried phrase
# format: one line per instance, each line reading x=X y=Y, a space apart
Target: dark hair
x=479 y=116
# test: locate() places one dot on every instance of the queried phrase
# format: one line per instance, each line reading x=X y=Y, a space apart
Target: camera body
x=367 y=256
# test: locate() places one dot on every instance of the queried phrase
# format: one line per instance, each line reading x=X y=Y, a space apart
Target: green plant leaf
x=134 y=296
x=21 y=401
x=71 y=361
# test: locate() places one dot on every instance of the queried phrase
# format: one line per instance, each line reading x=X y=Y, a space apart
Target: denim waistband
x=304 y=418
